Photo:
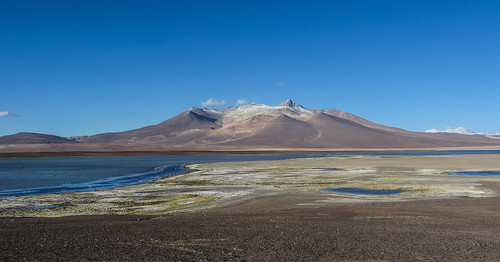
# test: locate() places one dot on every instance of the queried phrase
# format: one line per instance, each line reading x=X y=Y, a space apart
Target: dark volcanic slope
x=33 y=138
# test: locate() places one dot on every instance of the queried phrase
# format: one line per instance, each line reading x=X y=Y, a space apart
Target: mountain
x=286 y=125
x=33 y=138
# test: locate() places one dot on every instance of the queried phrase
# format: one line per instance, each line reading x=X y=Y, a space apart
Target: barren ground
x=272 y=211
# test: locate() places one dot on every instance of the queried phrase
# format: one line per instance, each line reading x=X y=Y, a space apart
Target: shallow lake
x=32 y=176
x=362 y=191
x=43 y=175
x=475 y=173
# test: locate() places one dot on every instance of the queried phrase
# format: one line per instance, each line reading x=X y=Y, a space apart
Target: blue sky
x=86 y=67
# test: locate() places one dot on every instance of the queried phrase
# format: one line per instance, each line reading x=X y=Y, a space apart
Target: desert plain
x=272 y=211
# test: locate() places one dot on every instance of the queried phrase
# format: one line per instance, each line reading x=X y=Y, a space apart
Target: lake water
x=475 y=173
x=32 y=176
x=43 y=175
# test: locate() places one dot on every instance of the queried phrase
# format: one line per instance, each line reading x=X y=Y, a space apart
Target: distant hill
x=286 y=125
x=33 y=138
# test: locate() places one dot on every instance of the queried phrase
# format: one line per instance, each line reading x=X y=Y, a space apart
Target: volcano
x=284 y=126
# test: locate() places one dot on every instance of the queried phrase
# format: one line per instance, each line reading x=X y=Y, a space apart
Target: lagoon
x=362 y=191
x=475 y=173
x=33 y=176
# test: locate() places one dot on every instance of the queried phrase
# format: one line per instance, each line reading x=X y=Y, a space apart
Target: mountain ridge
x=285 y=125
x=34 y=138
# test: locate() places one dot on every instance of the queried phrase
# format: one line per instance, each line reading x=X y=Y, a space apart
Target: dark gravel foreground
x=262 y=229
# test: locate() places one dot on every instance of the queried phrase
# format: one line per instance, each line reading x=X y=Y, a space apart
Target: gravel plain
x=272 y=211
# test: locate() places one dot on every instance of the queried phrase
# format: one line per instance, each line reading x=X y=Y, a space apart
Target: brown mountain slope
x=176 y=129
x=282 y=131
x=340 y=132
x=362 y=121
x=286 y=125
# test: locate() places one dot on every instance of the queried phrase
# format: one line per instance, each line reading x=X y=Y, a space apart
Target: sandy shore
x=90 y=149
x=273 y=210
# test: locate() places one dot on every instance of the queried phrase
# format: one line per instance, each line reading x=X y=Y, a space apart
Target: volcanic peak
x=287 y=103
x=287 y=107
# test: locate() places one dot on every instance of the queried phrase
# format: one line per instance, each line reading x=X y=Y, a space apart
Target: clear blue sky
x=86 y=67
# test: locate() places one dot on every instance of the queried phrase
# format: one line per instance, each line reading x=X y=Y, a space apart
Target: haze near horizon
x=81 y=68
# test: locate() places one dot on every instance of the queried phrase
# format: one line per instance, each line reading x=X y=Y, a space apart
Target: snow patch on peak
x=253 y=109
x=463 y=130
x=459 y=130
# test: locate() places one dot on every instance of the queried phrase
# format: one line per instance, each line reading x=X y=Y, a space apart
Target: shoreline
x=70 y=186
x=99 y=184
x=148 y=150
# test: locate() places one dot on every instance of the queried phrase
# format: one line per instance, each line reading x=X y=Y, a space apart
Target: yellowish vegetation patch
x=170 y=203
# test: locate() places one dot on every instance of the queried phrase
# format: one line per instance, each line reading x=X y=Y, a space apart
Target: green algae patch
x=196 y=182
x=161 y=204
